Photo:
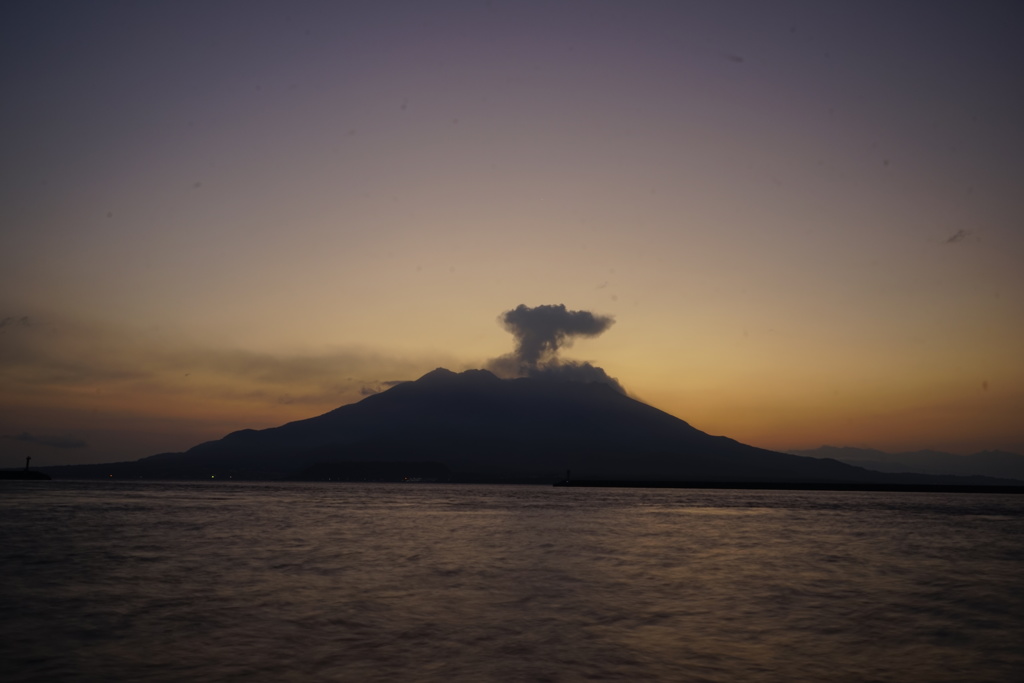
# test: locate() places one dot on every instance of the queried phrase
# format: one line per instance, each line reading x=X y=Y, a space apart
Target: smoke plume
x=540 y=333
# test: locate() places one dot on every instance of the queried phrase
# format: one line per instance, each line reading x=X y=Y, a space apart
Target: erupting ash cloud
x=539 y=333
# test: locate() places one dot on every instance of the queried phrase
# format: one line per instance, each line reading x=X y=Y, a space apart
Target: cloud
x=15 y=321
x=380 y=386
x=540 y=333
x=960 y=236
x=77 y=359
x=51 y=441
x=575 y=371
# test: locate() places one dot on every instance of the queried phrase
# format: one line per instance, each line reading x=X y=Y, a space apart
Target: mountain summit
x=488 y=429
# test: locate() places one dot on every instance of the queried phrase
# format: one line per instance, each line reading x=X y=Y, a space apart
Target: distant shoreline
x=793 y=486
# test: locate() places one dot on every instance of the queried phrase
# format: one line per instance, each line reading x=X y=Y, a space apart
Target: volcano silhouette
x=483 y=428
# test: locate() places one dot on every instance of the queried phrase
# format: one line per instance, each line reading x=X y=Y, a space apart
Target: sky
x=805 y=219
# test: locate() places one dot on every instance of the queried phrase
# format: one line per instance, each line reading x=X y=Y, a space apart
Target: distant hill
x=482 y=428
x=984 y=463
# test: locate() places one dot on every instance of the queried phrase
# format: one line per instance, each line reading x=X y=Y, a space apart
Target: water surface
x=418 y=582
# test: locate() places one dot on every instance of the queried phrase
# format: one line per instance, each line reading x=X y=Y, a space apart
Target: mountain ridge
x=484 y=428
x=987 y=463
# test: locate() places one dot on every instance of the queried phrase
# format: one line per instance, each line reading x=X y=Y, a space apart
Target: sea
x=220 y=581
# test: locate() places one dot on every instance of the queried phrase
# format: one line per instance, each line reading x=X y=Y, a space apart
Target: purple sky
x=805 y=218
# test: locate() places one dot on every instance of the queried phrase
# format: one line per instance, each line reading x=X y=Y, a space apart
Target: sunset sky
x=806 y=218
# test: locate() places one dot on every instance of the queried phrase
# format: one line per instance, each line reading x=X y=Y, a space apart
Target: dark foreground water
x=415 y=582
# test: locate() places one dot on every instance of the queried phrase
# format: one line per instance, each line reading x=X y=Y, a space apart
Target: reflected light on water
x=160 y=582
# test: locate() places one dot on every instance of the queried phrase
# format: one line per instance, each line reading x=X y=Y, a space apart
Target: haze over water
x=317 y=582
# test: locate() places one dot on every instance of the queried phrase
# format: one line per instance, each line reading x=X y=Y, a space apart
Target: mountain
x=984 y=463
x=482 y=428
